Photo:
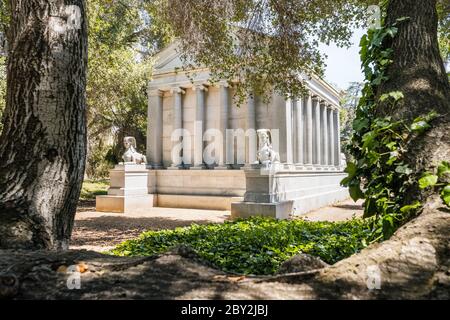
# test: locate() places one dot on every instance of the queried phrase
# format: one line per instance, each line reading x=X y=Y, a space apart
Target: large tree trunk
x=43 y=145
x=419 y=73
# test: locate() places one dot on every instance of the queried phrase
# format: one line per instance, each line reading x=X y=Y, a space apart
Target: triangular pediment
x=168 y=59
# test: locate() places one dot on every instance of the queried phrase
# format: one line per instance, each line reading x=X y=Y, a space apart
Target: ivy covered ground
x=257 y=245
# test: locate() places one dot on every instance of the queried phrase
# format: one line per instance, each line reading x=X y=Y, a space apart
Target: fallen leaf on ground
x=62 y=269
x=82 y=267
x=236 y=279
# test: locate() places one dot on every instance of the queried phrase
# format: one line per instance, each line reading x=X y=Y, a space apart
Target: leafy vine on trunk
x=380 y=174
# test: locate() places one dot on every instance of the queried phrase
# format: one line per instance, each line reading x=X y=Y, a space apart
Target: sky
x=343 y=64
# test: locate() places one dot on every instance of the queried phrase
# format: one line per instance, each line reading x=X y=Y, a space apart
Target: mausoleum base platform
x=285 y=193
x=196 y=201
x=125 y=204
x=212 y=189
x=245 y=193
x=279 y=210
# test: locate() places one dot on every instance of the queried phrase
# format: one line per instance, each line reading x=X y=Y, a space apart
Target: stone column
x=324 y=133
x=227 y=145
x=337 y=140
x=177 y=120
x=331 y=148
x=289 y=131
x=155 y=128
x=251 y=147
x=299 y=136
x=308 y=132
x=316 y=131
x=199 y=126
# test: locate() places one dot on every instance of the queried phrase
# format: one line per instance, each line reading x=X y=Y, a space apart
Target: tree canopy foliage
x=443 y=9
x=118 y=72
x=122 y=38
x=266 y=43
x=349 y=104
x=261 y=43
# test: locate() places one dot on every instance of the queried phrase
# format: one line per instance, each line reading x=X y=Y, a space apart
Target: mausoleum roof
x=168 y=71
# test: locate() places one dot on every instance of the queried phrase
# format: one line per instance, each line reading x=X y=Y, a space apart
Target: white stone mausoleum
x=202 y=149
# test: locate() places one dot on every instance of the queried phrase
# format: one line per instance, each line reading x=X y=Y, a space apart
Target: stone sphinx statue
x=131 y=155
x=266 y=155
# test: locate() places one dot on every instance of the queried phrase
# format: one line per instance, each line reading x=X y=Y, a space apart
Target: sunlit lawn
x=93 y=188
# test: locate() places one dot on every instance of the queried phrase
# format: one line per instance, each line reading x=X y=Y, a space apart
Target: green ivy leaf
x=446 y=195
x=392 y=31
x=355 y=192
x=393 y=157
x=368 y=139
x=351 y=169
x=431 y=116
x=396 y=95
x=359 y=124
x=392 y=145
x=370 y=208
x=401 y=19
x=344 y=182
x=377 y=81
x=363 y=44
x=410 y=207
x=403 y=169
x=428 y=180
x=373 y=157
x=443 y=168
x=420 y=126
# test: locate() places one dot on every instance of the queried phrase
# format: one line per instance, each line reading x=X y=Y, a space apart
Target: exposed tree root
x=413 y=264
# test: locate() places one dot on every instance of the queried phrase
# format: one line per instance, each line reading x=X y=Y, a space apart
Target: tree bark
x=419 y=73
x=43 y=144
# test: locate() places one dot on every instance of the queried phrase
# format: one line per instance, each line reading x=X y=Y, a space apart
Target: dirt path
x=341 y=211
x=101 y=231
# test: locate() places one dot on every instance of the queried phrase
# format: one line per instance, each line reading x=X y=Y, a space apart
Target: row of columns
x=155 y=126
x=316 y=132
x=315 y=129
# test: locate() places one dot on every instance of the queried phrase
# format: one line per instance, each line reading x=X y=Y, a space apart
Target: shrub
x=256 y=245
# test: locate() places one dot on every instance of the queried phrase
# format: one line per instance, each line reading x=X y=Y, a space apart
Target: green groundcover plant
x=256 y=245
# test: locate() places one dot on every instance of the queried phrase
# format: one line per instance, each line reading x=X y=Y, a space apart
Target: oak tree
x=43 y=142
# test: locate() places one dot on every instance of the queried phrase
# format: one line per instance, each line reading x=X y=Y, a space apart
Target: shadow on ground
x=105 y=232
x=349 y=206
